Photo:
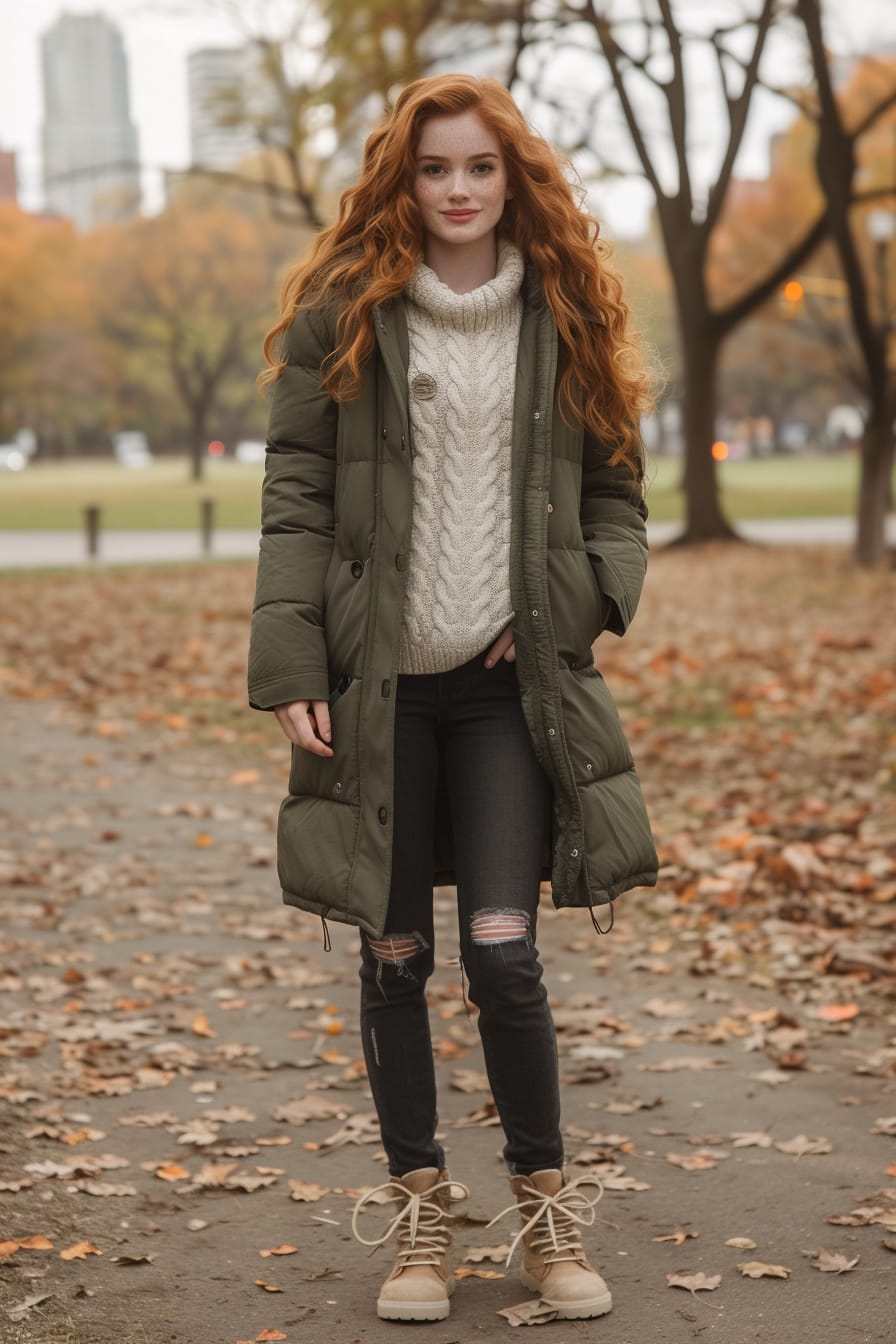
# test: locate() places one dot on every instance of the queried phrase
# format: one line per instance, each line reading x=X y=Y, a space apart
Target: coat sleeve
x=613 y=514
x=287 y=652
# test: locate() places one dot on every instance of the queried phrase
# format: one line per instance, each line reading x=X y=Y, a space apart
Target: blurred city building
x=226 y=103
x=91 y=170
x=8 y=182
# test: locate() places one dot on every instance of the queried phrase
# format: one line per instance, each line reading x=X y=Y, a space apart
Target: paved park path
x=181 y=1091
x=211 y=1022
x=34 y=550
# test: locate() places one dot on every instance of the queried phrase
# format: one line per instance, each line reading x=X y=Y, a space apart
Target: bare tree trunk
x=704 y=519
x=878 y=451
x=198 y=443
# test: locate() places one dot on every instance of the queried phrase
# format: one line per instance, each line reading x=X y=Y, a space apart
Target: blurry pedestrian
x=452 y=513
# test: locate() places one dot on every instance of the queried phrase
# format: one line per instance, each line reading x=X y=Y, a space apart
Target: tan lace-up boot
x=421 y=1281
x=554 y=1262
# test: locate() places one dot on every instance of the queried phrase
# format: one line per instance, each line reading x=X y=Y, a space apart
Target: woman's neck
x=462 y=268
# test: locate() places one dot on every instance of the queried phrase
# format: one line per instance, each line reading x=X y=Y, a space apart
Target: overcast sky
x=157 y=44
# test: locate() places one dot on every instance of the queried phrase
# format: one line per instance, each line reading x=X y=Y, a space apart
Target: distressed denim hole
x=396 y=947
x=488 y=927
x=396 y=950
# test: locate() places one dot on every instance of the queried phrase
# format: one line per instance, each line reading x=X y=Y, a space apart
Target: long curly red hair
x=370 y=253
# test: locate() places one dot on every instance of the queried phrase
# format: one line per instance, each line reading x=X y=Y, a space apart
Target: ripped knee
x=397 y=948
x=489 y=927
x=399 y=952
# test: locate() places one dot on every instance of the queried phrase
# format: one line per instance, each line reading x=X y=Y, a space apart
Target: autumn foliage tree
x=641 y=60
x=184 y=300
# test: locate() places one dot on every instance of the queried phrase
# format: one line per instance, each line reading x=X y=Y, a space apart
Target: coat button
x=550 y=508
x=401 y=562
x=588 y=766
x=357 y=569
x=382 y=814
x=574 y=853
x=536 y=415
x=384 y=689
x=534 y=611
x=551 y=732
x=337 y=788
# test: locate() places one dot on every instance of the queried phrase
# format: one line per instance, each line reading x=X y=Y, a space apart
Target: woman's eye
x=483 y=168
x=431 y=170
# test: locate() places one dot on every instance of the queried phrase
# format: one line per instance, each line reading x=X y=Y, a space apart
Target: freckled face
x=460 y=181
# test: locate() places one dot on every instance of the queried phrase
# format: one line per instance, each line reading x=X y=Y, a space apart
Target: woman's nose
x=458 y=187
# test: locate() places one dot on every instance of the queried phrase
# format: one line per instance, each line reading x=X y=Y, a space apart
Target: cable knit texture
x=461 y=380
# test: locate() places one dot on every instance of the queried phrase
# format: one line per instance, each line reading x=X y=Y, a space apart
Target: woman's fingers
x=503 y=647
x=299 y=718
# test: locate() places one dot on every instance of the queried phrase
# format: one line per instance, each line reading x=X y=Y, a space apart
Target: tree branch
x=738 y=111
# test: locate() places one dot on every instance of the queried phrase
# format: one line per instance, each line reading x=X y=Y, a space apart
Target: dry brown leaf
x=35 y=1243
x=802 y=1146
x=467 y=1272
x=79 y=1251
x=694 y=1283
x=832 y=1261
x=837 y=1012
x=171 y=1171
x=285 y=1249
x=268 y=1287
x=470 y=1080
x=675 y=1062
x=496 y=1254
x=678 y=1236
x=307 y=1191
x=131 y=1259
x=105 y=1189
x=755 y=1269
x=692 y=1161
x=269 y=1335
x=741 y=1243
x=533 y=1312
x=757 y=1138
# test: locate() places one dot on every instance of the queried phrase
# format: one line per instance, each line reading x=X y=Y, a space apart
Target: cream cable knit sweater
x=461 y=381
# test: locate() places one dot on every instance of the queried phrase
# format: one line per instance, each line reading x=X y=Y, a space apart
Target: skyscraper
x=89 y=141
x=223 y=86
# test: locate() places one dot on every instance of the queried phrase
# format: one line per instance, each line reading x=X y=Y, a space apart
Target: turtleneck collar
x=481 y=307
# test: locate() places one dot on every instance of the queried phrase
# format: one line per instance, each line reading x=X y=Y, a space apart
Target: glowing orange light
x=216 y=448
x=720 y=450
x=793 y=291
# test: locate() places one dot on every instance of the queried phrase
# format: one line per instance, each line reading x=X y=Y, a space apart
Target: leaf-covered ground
x=184 y=1119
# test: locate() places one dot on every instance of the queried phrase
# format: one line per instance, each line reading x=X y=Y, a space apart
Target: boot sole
x=571 y=1311
x=413 y=1311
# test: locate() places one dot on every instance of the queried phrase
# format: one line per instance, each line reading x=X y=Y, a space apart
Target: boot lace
x=421 y=1221
x=554 y=1220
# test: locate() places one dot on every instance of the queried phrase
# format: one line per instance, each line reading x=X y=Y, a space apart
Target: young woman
x=452 y=513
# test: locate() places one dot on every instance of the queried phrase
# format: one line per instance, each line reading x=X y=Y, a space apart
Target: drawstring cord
x=595 y=923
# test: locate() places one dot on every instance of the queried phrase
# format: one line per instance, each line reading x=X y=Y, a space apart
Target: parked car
x=15 y=455
x=12 y=458
x=250 y=450
x=131 y=449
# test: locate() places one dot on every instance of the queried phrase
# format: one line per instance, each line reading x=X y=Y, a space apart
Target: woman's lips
x=460 y=214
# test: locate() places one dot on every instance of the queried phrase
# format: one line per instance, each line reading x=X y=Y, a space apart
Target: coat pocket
x=578 y=605
x=335 y=776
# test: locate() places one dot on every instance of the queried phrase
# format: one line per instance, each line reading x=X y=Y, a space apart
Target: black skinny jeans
x=470 y=718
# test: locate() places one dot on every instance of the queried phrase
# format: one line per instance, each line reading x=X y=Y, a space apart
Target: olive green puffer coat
x=336 y=512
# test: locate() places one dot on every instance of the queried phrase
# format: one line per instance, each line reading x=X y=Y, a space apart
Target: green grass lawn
x=53 y=495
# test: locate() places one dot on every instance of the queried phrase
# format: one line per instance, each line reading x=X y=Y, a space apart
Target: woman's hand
x=301 y=720
x=503 y=647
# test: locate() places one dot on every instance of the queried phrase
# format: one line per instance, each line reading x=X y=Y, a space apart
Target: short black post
x=92 y=530
x=206 y=524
